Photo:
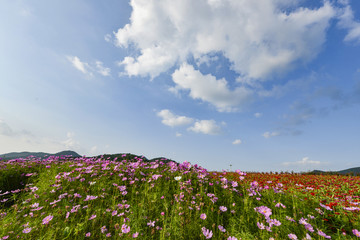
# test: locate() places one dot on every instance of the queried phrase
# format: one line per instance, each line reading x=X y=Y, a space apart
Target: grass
x=124 y=199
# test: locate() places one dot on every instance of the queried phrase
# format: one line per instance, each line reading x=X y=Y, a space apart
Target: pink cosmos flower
x=264 y=211
x=356 y=232
x=292 y=236
x=135 y=235
x=207 y=233
x=92 y=217
x=221 y=228
x=88 y=234
x=47 y=219
x=232 y=238
x=260 y=225
x=27 y=230
x=203 y=216
x=125 y=228
x=151 y=223
x=321 y=233
x=223 y=208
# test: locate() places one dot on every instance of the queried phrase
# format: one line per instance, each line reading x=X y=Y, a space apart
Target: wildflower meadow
x=99 y=198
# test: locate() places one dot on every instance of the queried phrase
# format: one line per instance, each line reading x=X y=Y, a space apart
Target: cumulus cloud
x=259 y=38
x=172 y=120
x=206 y=127
x=303 y=162
x=208 y=88
x=237 y=141
x=270 y=134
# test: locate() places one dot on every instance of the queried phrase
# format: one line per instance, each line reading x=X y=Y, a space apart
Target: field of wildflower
x=99 y=198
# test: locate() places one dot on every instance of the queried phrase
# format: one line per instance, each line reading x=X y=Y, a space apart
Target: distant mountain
x=355 y=171
x=14 y=155
x=130 y=156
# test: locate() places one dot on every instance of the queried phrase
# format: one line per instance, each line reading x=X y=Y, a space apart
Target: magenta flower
x=326 y=207
x=260 y=225
x=92 y=217
x=108 y=235
x=264 y=211
x=292 y=236
x=356 y=232
x=309 y=227
x=125 y=228
x=88 y=234
x=232 y=238
x=89 y=197
x=223 y=208
x=203 y=216
x=103 y=229
x=47 y=219
x=135 y=235
x=151 y=223
x=27 y=230
x=321 y=233
x=221 y=228
x=207 y=233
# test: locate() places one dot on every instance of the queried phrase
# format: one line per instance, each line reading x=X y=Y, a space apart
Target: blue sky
x=258 y=85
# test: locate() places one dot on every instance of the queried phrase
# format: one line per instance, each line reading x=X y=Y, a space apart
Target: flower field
x=96 y=198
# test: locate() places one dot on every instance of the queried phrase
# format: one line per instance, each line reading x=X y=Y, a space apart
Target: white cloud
x=172 y=120
x=101 y=69
x=270 y=134
x=303 y=162
x=79 y=65
x=108 y=38
x=206 y=127
x=70 y=142
x=237 y=141
x=88 y=69
x=209 y=89
x=257 y=115
x=259 y=38
x=178 y=134
x=346 y=21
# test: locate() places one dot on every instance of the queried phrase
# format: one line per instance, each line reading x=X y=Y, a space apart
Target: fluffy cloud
x=209 y=89
x=259 y=38
x=172 y=120
x=206 y=127
x=237 y=141
x=303 y=162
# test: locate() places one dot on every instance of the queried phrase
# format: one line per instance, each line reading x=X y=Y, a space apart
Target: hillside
x=14 y=155
x=355 y=171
